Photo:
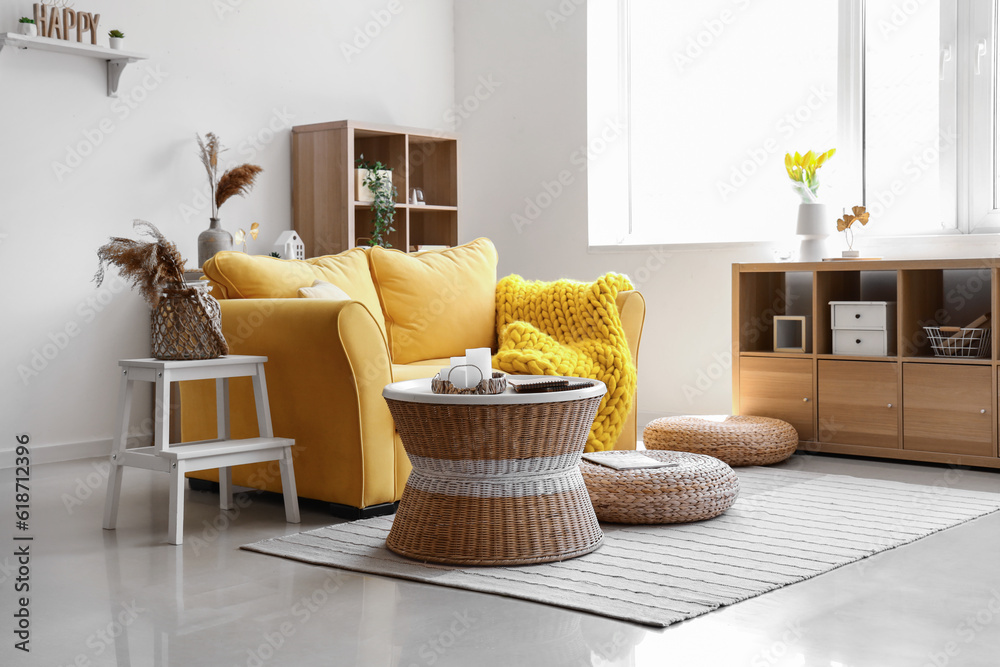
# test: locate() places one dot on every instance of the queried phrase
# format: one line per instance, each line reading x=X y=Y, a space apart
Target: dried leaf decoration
x=147 y=266
x=860 y=215
x=237 y=181
x=240 y=237
x=210 y=149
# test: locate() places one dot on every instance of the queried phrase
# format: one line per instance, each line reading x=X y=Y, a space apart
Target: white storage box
x=863 y=328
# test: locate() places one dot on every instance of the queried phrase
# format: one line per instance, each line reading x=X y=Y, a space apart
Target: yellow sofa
x=328 y=360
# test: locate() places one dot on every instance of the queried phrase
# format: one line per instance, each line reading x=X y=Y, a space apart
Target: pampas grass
x=148 y=266
x=236 y=181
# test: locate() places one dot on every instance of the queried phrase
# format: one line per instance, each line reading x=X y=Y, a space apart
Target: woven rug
x=785 y=527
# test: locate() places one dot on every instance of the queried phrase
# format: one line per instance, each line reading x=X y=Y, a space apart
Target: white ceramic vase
x=117 y=43
x=814 y=228
x=28 y=29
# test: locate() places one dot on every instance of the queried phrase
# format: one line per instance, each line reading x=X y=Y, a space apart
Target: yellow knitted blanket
x=570 y=328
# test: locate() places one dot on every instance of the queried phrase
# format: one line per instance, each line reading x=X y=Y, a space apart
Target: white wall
x=518 y=141
x=245 y=70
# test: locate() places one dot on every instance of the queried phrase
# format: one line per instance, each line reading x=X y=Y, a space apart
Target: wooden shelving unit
x=911 y=405
x=117 y=59
x=325 y=212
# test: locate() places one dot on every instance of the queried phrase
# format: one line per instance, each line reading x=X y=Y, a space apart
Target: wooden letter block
x=55 y=24
x=68 y=22
x=95 y=19
x=41 y=19
x=82 y=24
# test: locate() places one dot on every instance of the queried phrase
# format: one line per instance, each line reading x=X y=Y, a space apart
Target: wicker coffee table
x=698 y=487
x=496 y=479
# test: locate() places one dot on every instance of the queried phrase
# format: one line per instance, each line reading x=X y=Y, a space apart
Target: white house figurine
x=290 y=246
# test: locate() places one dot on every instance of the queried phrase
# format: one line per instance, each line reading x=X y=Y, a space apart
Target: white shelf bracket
x=115 y=69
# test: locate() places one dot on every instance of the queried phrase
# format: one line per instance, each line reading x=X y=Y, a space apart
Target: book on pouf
x=626 y=460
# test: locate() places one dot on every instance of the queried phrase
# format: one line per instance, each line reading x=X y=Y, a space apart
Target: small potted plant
x=374 y=184
x=26 y=26
x=362 y=172
x=117 y=38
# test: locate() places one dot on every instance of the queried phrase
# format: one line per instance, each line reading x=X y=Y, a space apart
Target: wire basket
x=968 y=342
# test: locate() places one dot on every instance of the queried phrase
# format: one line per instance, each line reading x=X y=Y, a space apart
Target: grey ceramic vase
x=212 y=240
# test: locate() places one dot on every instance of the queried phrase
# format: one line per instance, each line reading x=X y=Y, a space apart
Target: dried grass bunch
x=236 y=181
x=149 y=266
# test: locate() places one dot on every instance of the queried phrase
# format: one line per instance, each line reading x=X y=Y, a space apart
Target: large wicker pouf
x=739 y=440
x=699 y=487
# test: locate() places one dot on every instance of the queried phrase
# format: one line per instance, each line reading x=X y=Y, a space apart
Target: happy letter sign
x=59 y=22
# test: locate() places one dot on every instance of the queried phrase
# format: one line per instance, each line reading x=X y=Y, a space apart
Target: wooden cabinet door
x=858 y=403
x=948 y=409
x=779 y=388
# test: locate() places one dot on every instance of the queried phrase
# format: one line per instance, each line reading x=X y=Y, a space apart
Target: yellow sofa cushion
x=236 y=275
x=437 y=303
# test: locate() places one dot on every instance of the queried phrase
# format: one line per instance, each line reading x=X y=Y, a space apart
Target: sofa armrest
x=327 y=365
x=632 y=311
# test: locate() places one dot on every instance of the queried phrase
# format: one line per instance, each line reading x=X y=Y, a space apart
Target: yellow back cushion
x=236 y=275
x=437 y=303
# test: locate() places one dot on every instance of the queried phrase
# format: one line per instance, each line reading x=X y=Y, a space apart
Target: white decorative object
x=117 y=43
x=180 y=458
x=290 y=245
x=814 y=228
x=481 y=358
x=27 y=29
x=459 y=374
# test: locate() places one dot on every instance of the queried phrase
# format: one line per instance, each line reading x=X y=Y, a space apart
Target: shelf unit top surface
x=870 y=265
x=376 y=129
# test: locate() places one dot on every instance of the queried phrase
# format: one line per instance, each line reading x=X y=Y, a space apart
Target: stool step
x=194 y=450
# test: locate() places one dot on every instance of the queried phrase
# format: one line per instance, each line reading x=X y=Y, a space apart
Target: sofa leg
x=354 y=513
x=203 y=485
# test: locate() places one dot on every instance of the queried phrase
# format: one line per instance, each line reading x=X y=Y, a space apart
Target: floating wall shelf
x=117 y=59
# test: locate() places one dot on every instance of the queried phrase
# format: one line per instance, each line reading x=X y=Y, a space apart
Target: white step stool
x=179 y=459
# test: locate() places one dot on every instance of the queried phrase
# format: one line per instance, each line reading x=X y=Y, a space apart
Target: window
x=708 y=98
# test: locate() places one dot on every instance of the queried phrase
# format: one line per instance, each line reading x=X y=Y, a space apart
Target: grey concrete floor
x=127 y=598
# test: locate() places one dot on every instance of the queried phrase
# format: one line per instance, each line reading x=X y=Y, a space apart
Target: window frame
x=971 y=179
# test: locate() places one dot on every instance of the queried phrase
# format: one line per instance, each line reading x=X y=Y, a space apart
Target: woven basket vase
x=187 y=324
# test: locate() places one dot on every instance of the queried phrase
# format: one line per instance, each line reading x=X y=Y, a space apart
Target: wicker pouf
x=699 y=487
x=739 y=440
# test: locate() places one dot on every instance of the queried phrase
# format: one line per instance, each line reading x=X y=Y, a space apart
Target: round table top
x=419 y=391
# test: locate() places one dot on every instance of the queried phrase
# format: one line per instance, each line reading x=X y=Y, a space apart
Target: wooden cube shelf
x=908 y=405
x=325 y=211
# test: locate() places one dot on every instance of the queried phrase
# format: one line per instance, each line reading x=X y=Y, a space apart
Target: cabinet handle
x=858 y=341
x=805 y=400
x=857 y=316
x=983 y=411
x=890 y=405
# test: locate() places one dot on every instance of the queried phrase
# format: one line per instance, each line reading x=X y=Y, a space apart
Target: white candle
x=459 y=376
x=480 y=358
